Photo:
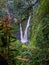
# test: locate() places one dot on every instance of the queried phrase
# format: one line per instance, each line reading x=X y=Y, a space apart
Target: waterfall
x=24 y=38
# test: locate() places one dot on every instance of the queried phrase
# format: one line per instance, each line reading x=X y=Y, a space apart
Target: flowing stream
x=24 y=37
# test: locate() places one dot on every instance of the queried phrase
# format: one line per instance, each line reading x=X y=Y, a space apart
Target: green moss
x=41 y=12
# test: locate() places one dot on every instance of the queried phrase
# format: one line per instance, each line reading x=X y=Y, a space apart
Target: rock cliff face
x=25 y=6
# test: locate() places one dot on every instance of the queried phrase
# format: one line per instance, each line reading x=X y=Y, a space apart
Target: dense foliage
x=16 y=53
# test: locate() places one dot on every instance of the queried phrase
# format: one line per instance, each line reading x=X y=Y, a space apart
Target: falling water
x=24 y=38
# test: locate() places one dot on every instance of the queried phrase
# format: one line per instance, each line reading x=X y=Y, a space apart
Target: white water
x=24 y=38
